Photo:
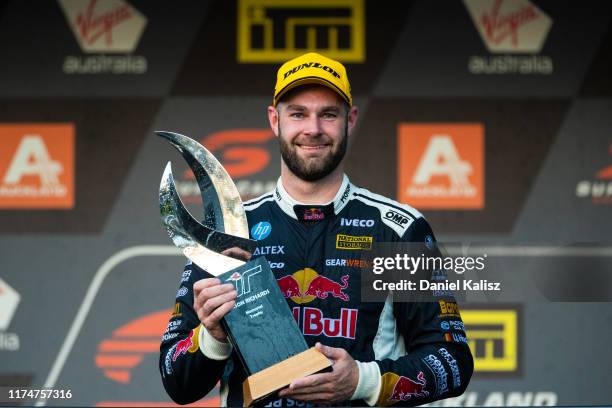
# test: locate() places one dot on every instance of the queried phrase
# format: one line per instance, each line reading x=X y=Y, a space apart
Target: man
x=383 y=353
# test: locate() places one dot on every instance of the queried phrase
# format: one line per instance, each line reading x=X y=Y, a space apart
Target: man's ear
x=352 y=116
x=273 y=119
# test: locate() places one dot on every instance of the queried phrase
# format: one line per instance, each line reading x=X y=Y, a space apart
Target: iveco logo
x=396 y=218
x=356 y=222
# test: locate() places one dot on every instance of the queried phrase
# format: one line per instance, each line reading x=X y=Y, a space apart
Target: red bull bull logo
x=289 y=287
x=405 y=388
x=321 y=287
x=189 y=344
x=306 y=285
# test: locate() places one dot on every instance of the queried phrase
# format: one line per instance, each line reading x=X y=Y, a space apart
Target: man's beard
x=316 y=170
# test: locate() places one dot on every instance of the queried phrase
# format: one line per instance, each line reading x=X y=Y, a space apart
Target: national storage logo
x=354 y=242
x=493 y=337
x=441 y=165
x=274 y=31
x=37 y=166
x=509 y=28
x=103 y=27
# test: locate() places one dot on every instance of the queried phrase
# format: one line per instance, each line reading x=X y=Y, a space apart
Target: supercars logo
x=245 y=154
x=128 y=345
x=599 y=189
x=395 y=388
x=441 y=166
x=273 y=31
x=510 y=26
x=37 y=166
x=104 y=26
x=493 y=338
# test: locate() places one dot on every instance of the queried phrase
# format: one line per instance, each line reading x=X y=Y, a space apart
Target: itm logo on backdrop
x=441 y=165
x=37 y=166
x=273 y=31
x=9 y=300
x=244 y=153
x=509 y=28
x=103 y=27
x=598 y=189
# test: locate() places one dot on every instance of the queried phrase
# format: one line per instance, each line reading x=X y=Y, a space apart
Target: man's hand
x=212 y=300
x=335 y=386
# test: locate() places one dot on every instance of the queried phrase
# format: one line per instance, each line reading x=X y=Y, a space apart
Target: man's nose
x=312 y=126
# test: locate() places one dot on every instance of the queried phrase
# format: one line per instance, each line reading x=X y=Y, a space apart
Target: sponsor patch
x=354 y=242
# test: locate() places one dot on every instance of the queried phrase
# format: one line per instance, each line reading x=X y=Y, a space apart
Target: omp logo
x=37 y=166
x=441 y=166
x=493 y=338
x=9 y=300
x=271 y=31
x=599 y=189
x=242 y=281
x=125 y=349
x=509 y=26
x=104 y=25
x=244 y=153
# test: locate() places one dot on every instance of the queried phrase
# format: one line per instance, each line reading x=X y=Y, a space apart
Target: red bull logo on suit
x=306 y=285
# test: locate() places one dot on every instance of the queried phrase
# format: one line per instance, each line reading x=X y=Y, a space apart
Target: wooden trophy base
x=280 y=375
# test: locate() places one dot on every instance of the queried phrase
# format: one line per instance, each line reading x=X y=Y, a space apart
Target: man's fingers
x=205 y=283
x=211 y=292
x=215 y=317
x=215 y=302
x=237 y=253
x=314 y=380
x=330 y=352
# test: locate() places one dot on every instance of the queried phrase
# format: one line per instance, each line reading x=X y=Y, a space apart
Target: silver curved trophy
x=224 y=224
x=268 y=344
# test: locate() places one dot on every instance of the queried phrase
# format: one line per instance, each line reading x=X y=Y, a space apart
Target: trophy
x=261 y=327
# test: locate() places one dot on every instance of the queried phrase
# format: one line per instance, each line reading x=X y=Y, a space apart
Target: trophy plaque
x=261 y=327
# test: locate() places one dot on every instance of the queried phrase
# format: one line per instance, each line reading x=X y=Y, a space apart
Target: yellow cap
x=312 y=68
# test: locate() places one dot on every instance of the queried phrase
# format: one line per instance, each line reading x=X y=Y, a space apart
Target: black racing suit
x=408 y=353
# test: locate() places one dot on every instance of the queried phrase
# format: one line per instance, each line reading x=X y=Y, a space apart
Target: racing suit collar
x=287 y=203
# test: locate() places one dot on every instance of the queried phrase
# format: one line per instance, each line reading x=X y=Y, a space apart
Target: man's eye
x=297 y=115
x=329 y=115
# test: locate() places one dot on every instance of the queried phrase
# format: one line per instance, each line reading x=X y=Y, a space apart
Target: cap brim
x=311 y=80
